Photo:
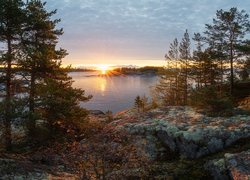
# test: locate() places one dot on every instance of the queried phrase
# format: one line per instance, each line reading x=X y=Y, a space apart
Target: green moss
x=172 y=130
x=220 y=164
x=192 y=136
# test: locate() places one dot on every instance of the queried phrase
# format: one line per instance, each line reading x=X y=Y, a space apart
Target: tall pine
x=11 y=19
x=51 y=97
x=226 y=33
x=185 y=58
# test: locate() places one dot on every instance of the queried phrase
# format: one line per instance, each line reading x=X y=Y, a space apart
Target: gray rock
x=238 y=165
x=217 y=169
x=232 y=166
x=167 y=140
x=185 y=131
x=215 y=145
x=26 y=170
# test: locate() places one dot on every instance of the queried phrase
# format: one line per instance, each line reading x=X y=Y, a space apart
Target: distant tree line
x=34 y=88
x=137 y=71
x=209 y=73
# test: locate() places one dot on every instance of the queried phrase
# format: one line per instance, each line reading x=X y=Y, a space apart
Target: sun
x=103 y=68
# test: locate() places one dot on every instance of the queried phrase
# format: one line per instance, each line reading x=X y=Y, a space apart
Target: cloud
x=136 y=29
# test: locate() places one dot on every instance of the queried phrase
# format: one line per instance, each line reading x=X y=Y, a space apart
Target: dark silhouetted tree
x=227 y=33
x=11 y=18
x=185 y=57
x=51 y=96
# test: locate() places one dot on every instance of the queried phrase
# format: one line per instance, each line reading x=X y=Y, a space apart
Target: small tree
x=168 y=85
x=138 y=103
x=109 y=116
x=245 y=72
x=172 y=87
x=144 y=102
x=210 y=101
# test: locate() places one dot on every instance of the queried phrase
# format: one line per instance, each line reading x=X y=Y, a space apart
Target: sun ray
x=104 y=68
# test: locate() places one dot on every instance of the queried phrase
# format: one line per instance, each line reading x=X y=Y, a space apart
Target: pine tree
x=138 y=103
x=205 y=69
x=172 y=87
x=227 y=33
x=174 y=70
x=185 y=57
x=40 y=58
x=11 y=17
x=197 y=66
x=245 y=71
x=168 y=86
x=59 y=105
x=51 y=96
x=144 y=102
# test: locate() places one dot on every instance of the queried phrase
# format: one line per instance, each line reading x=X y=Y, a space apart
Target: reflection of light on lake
x=103 y=85
x=115 y=93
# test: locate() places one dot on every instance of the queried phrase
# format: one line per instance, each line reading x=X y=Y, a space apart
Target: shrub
x=211 y=102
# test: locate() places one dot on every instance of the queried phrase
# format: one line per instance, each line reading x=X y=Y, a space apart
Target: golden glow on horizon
x=114 y=63
x=104 y=68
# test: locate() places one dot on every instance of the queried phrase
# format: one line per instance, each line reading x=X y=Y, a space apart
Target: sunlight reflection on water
x=103 y=84
x=114 y=93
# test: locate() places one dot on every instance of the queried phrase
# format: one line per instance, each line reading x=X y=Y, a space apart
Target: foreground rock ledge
x=182 y=130
x=24 y=169
x=232 y=166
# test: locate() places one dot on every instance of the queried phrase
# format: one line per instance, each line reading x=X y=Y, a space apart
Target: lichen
x=220 y=164
x=193 y=136
x=172 y=130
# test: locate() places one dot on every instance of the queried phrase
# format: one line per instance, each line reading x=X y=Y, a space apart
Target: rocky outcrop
x=183 y=131
x=232 y=166
x=25 y=170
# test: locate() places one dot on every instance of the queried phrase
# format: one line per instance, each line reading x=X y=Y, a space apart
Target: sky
x=130 y=32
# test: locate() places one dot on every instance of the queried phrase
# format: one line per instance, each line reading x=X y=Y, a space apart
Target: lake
x=114 y=93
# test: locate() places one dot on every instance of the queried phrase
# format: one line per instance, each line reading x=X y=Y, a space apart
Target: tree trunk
x=221 y=77
x=186 y=83
x=32 y=124
x=7 y=121
x=231 y=69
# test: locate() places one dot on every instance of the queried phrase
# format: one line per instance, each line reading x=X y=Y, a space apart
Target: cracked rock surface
x=182 y=130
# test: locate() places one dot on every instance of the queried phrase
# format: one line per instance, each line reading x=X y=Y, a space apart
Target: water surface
x=114 y=93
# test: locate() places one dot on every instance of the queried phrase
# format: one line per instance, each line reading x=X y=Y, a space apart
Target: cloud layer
x=118 y=31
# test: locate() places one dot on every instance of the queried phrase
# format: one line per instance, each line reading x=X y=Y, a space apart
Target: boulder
x=232 y=166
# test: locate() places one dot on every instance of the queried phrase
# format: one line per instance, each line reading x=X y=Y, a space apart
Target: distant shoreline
x=148 y=70
x=117 y=74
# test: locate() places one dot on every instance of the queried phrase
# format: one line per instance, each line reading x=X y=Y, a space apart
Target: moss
x=192 y=136
x=220 y=164
x=228 y=155
x=181 y=168
x=172 y=130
